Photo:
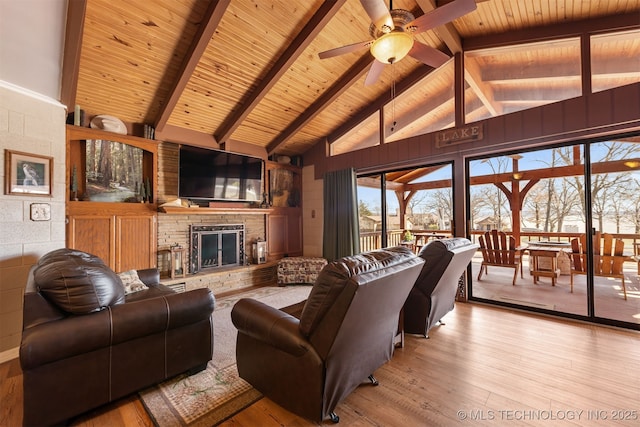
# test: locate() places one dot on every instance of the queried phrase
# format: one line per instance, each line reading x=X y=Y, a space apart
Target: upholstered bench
x=299 y=270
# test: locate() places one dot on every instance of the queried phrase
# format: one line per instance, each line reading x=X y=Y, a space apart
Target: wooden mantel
x=176 y=210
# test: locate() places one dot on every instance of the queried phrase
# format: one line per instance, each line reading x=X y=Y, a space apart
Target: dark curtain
x=341 y=227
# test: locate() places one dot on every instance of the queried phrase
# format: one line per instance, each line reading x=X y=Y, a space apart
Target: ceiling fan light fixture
x=392 y=47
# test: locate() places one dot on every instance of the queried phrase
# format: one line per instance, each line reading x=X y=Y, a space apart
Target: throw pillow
x=131 y=282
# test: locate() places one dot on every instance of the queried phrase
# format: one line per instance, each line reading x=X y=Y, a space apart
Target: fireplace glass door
x=219 y=249
x=215 y=246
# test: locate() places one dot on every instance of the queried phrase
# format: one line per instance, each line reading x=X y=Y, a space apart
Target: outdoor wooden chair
x=608 y=257
x=499 y=250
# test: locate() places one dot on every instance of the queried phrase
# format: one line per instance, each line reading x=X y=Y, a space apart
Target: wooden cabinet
x=123 y=234
x=284 y=222
x=124 y=242
x=284 y=232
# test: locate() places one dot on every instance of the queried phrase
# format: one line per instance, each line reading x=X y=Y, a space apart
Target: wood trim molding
x=76 y=11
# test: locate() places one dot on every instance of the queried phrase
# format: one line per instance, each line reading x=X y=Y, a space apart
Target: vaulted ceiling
x=217 y=71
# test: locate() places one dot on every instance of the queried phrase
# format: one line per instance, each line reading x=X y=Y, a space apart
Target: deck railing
x=373 y=240
x=631 y=241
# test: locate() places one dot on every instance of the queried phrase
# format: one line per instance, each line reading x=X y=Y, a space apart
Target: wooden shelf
x=175 y=210
x=83 y=133
x=102 y=208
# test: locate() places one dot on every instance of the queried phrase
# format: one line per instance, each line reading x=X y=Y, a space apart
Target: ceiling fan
x=393 y=30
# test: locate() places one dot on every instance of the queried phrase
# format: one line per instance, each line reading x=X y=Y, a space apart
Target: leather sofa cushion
x=77 y=282
x=335 y=276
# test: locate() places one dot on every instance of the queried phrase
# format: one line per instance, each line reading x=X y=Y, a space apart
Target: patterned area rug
x=217 y=393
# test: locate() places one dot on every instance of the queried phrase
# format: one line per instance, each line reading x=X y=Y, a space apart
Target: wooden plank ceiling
x=248 y=70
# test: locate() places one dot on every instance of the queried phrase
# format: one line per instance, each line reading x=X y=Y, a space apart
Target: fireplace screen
x=215 y=246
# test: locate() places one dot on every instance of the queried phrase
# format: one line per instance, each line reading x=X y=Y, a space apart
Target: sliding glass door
x=405 y=207
x=615 y=224
x=556 y=204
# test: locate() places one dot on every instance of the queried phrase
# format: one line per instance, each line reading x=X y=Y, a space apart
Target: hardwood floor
x=486 y=367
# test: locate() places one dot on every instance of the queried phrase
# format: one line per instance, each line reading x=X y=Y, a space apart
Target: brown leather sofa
x=434 y=293
x=84 y=343
x=344 y=333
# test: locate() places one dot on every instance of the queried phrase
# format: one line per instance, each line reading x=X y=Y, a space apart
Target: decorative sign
x=458 y=135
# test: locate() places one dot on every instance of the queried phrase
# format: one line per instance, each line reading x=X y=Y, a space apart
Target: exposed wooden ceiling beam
x=541 y=93
x=341 y=86
x=171 y=133
x=434 y=101
x=557 y=172
x=484 y=91
x=76 y=11
x=324 y=14
x=626 y=21
x=407 y=176
x=210 y=22
x=373 y=182
x=430 y=185
x=558 y=69
x=412 y=79
x=476 y=80
x=447 y=32
x=626 y=165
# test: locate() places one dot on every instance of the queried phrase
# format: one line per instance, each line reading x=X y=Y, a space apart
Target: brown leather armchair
x=345 y=332
x=435 y=291
x=84 y=343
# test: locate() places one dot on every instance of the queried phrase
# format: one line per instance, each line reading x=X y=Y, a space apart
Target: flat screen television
x=207 y=174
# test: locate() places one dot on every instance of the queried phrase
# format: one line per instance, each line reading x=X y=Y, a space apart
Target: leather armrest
x=64 y=338
x=149 y=276
x=269 y=325
x=37 y=310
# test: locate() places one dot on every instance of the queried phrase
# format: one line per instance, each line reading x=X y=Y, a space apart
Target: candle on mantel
x=76 y=115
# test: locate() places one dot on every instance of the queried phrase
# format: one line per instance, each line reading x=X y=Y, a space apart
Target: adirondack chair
x=608 y=257
x=499 y=250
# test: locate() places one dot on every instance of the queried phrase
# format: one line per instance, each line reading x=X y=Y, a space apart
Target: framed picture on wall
x=281 y=187
x=27 y=174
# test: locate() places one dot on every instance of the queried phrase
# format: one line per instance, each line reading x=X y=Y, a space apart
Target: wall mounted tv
x=207 y=174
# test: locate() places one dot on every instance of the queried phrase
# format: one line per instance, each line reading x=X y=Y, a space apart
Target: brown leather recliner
x=435 y=291
x=345 y=332
x=84 y=343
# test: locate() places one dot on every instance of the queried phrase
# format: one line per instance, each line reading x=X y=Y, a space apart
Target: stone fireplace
x=175 y=229
x=216 y=246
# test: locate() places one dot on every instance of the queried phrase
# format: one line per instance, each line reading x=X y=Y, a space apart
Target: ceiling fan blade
x=378 y=12
x=374 y=72
x=345 y=49
x=428 y=55
x=442 y=15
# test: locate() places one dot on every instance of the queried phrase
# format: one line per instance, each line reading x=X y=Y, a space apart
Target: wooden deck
x=609 y=301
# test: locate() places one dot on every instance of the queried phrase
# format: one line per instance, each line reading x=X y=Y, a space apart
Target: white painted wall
x=31 y=44
x=33 y=121
x=34 y=124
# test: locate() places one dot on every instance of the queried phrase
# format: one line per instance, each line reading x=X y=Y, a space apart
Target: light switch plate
x=40 y=211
